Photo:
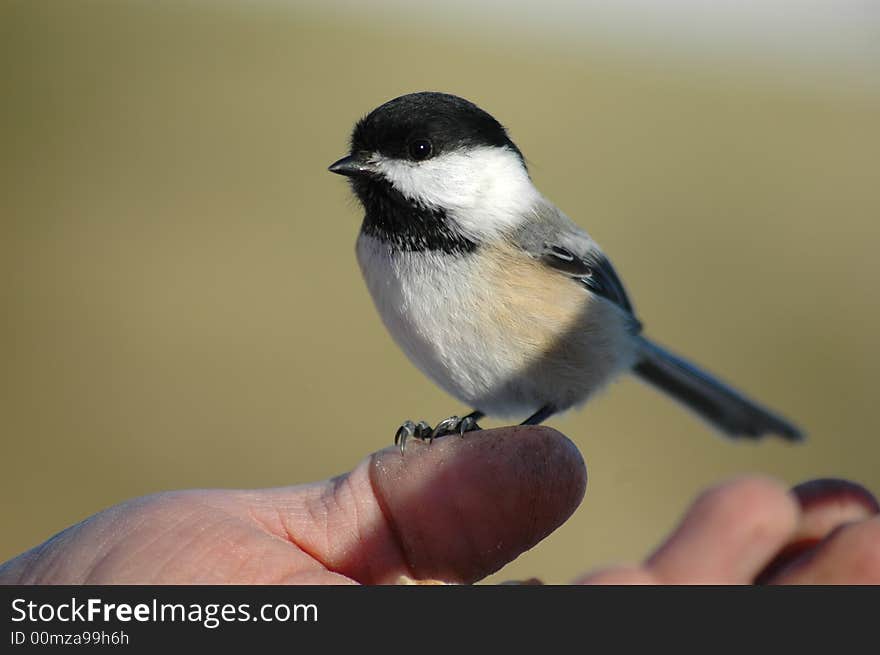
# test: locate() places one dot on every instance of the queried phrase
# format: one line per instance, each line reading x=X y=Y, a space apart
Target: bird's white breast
x=495 y=328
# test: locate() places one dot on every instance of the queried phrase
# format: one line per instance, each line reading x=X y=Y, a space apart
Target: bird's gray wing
x=552 y=237
x=592 y=269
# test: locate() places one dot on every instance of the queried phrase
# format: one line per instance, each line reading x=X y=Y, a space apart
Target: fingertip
x=824 y=492
x=524 y=452
x=729 y=533
x=764 y=502
x=464 y=507
x=826 y=505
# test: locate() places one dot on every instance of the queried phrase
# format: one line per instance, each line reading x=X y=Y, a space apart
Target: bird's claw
x=467 y=424
x=409 y=430
x=423 y=432
x=456 y=425
x=446 y=426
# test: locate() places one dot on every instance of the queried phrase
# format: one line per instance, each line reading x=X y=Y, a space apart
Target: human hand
x=455 y=511
x=755 y=530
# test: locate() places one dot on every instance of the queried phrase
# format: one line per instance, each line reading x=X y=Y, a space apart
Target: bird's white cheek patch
x=483 y=190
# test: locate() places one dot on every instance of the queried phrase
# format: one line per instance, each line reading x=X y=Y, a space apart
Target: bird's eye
x=420 y=149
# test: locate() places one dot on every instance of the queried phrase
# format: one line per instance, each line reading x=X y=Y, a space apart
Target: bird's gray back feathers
x=550 y=236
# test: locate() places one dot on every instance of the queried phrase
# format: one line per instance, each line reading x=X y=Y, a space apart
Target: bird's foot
x=423 y=432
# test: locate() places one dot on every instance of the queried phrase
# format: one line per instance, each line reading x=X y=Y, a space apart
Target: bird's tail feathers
x=721 y=406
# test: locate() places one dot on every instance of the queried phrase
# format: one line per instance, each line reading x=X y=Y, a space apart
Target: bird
x=493 y=292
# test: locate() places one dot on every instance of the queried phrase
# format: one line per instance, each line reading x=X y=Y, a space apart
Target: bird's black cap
x=447 y=121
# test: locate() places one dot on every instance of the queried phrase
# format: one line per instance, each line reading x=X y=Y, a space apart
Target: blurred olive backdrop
x=181 y=306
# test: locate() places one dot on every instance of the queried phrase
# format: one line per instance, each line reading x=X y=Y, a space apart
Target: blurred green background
x=181 y=306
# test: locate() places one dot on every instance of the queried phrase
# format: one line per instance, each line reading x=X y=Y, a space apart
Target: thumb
x=464 y=509
x=455 y=510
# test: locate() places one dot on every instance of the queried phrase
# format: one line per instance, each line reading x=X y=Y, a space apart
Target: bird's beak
x=356 y=165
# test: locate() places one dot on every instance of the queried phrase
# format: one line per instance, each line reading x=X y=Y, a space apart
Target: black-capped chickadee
x=492 y=291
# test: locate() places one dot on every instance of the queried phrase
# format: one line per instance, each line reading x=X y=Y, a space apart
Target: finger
x=455 y=510
x=463 y=508
x=728 y=535
x=830 y=502
x=849 y=555
x=825 y=505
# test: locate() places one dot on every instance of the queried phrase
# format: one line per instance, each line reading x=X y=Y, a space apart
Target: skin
x=455 y=511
